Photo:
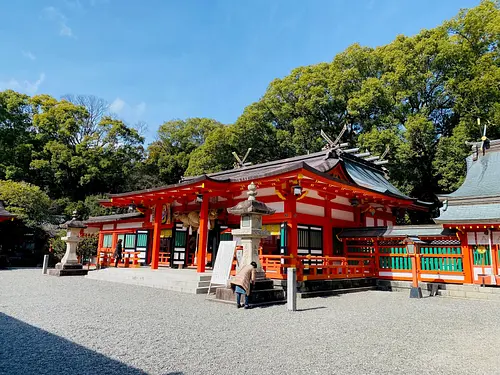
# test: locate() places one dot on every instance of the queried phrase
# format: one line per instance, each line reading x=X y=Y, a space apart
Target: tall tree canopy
x=420 y=95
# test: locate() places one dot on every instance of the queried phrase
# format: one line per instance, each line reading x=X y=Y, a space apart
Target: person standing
x=118 y=252
x=242 y=281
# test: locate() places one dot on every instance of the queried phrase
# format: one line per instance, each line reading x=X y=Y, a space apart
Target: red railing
x=317 y=267
x=130 y=259
x=164 y=259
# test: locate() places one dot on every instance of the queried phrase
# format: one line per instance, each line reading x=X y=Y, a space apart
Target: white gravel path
x=52 y=325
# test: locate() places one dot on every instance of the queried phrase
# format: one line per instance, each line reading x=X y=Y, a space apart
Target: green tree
x=16 y=137
x=169 y=155
x=76 y=159
x=27 y=201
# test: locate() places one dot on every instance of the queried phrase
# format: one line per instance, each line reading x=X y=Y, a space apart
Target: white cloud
x=60 y=19
x=24 y=86
x=127 y=111
x=117 y=106
x=28 y=55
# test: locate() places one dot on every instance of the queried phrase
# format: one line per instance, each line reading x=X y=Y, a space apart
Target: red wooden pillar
x=99 y=246
x=466 y=258
x=114 y=241
x=494 y=258
x=203 y=236
x=155 y=249
x=327 y=230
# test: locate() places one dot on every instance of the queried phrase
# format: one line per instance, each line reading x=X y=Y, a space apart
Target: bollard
x=45 y=264
x=291 y=287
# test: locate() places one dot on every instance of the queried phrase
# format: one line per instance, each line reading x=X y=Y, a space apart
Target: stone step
x=67 y=272
x=334 y=292
x=175 y=280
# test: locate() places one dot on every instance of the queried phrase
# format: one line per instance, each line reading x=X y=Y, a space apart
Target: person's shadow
x=25 y=349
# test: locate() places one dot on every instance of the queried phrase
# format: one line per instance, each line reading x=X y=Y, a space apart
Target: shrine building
x=316 y=197
x=473 y=210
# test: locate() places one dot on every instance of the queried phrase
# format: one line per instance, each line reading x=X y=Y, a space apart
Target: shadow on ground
x=312 y=308
x=26 y=349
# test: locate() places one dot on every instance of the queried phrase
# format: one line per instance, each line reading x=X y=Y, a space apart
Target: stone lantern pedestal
x=69 y=266
x=251 y=232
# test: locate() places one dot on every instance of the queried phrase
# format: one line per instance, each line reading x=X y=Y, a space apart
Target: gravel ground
x=52 y=325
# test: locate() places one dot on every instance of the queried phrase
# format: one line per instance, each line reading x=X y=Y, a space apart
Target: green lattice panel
x=107 y=240
x=180 y=239
x=478 y=258
x=142 y=239
x=130 y=241
x=440 y=263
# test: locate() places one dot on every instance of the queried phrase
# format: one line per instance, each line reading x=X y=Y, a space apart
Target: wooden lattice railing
x=130 y=259
x=317 y=268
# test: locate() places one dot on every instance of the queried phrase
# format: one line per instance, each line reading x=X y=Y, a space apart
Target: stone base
x=415 y=292
x=263 y=293
x=68 y=270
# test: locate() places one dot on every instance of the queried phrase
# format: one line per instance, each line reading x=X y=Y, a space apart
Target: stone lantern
x=69 y=266
x=251 y=232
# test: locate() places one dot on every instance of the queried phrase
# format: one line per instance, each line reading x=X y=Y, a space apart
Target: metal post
x=45 y=264
x=291 y=286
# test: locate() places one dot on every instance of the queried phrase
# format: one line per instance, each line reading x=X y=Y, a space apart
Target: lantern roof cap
x=74 y=223
x=251 y=205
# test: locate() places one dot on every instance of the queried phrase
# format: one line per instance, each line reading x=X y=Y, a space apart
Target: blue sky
x=156 y=60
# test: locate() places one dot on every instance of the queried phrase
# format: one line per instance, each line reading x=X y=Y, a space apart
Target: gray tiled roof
x=397 y=231
x=483 y=177
x=470 y=213
x=364 y=174
x=114 y=217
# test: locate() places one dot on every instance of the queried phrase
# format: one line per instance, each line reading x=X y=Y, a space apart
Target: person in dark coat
x=118 y=252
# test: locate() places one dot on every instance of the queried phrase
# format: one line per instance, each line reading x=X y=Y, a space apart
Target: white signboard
x=223 y=263
x=478 y=238
x=496 y=237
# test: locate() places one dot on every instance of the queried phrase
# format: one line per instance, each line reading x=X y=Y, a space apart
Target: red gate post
x=415 y=291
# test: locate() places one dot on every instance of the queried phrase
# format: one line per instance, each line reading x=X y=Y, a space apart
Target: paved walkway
x=52 y=325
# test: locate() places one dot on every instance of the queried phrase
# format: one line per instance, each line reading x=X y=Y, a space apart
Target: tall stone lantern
x=251 y=232
x=69 y=266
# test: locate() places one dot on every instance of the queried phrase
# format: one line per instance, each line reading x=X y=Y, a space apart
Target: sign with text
x=223 y=262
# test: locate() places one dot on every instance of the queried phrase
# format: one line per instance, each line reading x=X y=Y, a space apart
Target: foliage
x=169 y=155
x=58 y=245
x=25 y=200
x=419 y=95
x=88 y=246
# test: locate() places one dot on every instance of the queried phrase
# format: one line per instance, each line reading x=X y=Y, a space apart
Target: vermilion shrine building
x=315 y=196
x=334 y=219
